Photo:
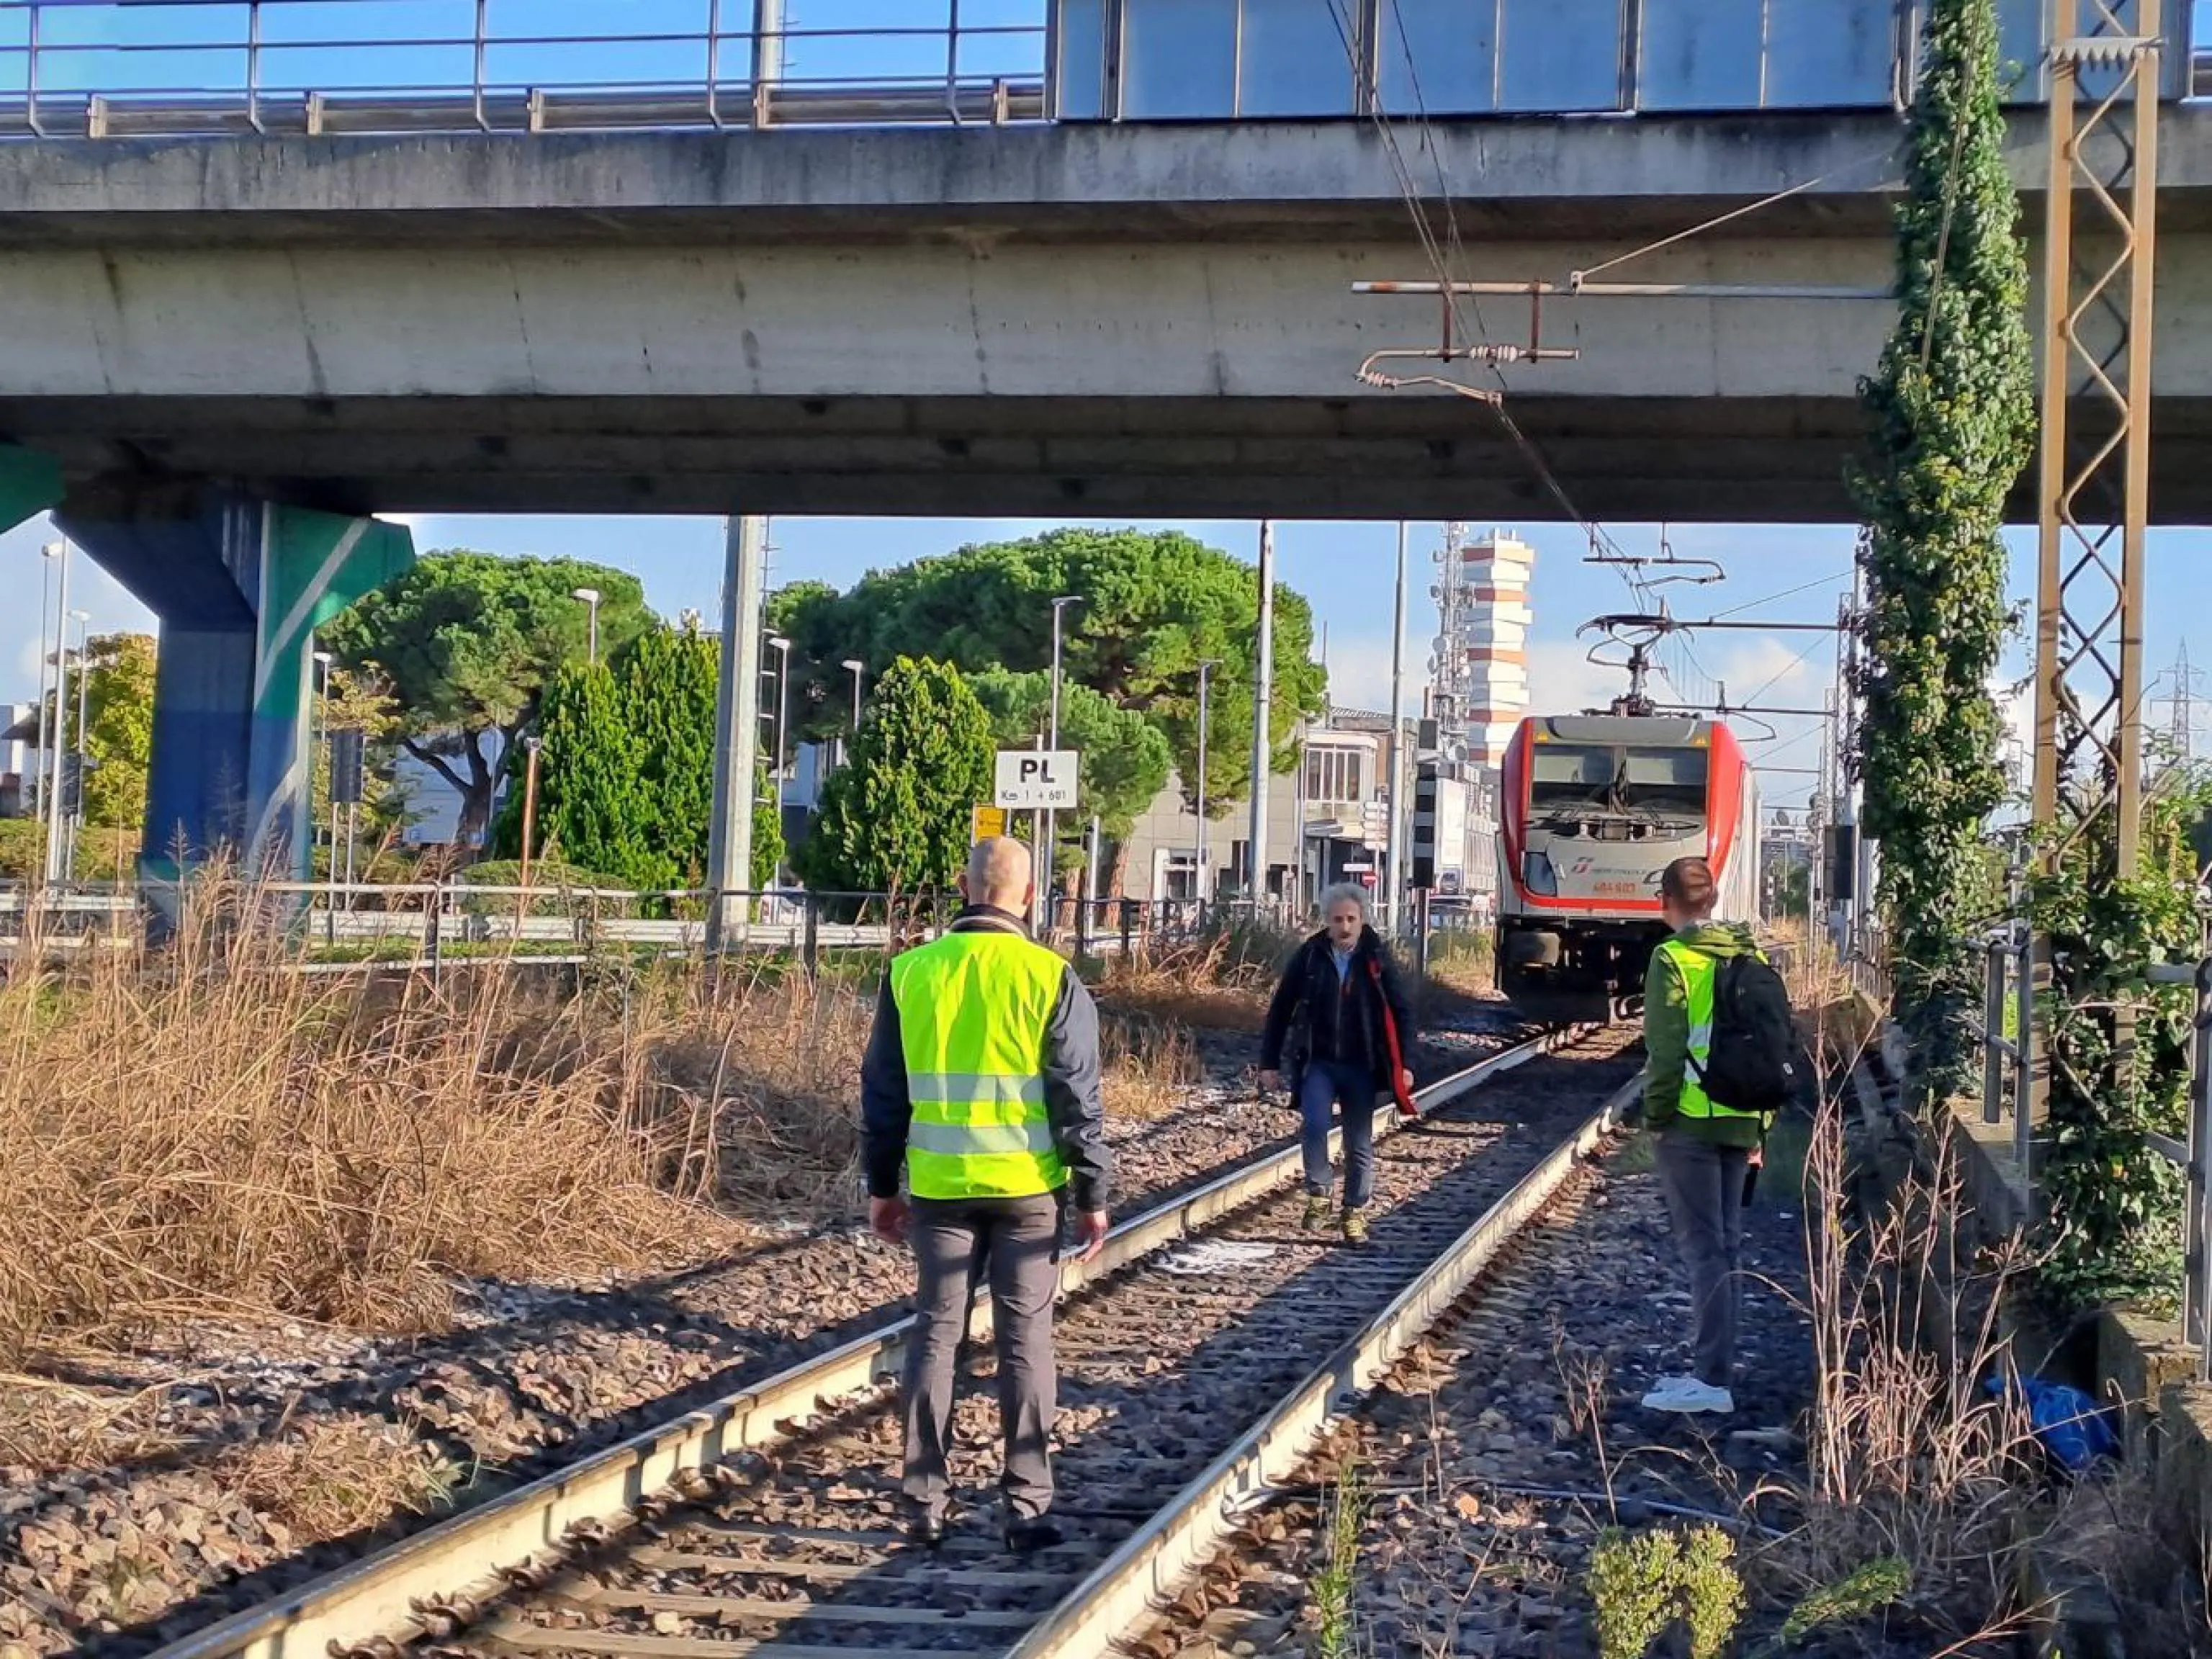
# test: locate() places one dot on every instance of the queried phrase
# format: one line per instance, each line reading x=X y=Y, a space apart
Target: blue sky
x=1344 y=568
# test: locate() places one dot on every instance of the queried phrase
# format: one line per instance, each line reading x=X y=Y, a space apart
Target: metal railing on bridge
x=212 y=68
x=215 y=68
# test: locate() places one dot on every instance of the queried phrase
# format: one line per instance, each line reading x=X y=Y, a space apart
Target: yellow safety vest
x=975 y=1009
x=1700 y=974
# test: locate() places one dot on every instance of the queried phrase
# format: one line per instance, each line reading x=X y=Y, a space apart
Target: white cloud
x=1359 y=673
x=1563 y=680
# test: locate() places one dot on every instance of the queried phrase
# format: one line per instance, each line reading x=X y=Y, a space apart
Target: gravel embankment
x=215 y=1465
x=1508 y=1439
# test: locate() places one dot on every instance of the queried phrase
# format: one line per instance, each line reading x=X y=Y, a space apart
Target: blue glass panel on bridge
x=1082 y=48
x=1700 y=55
x=1178 y=58
x=1831 y=54
x=1295 y=60
x=1440 y=56
x=1561 y=56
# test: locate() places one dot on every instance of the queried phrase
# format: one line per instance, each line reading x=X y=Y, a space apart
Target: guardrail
x=2008 y=1083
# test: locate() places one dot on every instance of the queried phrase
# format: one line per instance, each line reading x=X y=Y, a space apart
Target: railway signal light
x=1423 y=871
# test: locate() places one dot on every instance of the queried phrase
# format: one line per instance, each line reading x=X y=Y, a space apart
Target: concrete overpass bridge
x=226 y=351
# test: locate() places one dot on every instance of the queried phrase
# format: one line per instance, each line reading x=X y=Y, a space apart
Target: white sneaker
x=1686 y=1394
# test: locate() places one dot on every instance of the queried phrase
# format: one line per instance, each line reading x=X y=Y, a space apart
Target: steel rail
x=1121 y=1595
x=392 y=1596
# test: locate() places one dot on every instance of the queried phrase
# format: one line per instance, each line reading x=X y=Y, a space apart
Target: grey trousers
x=1013 y=1243
x=1704 y=1185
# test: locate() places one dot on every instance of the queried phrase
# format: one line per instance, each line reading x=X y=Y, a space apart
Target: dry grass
x=48 y=1425
x=1911 y=1458
x=336 y=1476
x=204 y=1135
x=1148 y=1062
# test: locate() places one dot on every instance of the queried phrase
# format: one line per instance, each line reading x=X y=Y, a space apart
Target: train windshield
x=1582 y=779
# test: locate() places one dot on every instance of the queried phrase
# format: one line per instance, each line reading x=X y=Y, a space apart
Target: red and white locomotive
x=1592 y=807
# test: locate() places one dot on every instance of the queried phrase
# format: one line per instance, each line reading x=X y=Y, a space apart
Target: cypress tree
x=1953 y=413
x=897 y=818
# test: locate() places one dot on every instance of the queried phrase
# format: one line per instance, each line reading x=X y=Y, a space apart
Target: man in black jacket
x=1339 y=1006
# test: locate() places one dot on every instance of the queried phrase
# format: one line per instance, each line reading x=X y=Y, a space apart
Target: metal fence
x=339 y=926
x=211 y=68
x=2008 y=1096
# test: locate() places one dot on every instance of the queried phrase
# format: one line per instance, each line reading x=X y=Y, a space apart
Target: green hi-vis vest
x=975 y=1009
x=1699 y=972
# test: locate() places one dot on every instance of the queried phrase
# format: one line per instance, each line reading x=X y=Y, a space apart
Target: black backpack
x=1753 y=1064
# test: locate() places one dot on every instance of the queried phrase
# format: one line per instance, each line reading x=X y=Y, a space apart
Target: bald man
x=982 y=1083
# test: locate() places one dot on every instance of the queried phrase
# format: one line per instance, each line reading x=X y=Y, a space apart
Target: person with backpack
x=1341 y=1011
x=1721 y=1060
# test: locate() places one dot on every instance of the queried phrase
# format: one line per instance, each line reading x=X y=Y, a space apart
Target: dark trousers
x=1328 y=1083
x=1014 y=1244
x=1704 y=1185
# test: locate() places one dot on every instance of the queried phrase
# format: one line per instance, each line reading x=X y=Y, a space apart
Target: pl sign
x=1037 y=779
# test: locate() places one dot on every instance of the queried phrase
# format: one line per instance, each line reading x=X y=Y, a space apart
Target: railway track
x=1201 y=1357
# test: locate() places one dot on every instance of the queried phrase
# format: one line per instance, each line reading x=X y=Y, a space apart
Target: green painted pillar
x=30 y=484
x=313 y=566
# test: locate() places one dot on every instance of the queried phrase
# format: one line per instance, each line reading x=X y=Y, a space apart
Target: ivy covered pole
x=1952 y=414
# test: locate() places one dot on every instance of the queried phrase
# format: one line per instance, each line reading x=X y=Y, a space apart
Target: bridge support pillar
x=30 y=482
x=239 y=586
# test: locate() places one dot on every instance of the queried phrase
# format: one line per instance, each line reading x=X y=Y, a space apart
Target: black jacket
x=1073 y=1083
x=1319 y=1016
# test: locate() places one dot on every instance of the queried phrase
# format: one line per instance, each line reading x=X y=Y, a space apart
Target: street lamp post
x=856 y=668
x=84 y=620
x=781 y=647
x=1051 y=817
x=1205 y=673
x=323 y=660
x=48 y=553
x=53 y=866
x=591 y=596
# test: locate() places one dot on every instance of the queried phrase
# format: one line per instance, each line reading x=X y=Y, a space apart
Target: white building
x=1479 y=672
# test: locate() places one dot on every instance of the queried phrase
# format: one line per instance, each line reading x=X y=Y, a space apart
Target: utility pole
x=737 y=748
x=1205 y=671
x=83 y=620
x=47 y=555
x=53 y=860
x=1263 y=698
x=1393 y=895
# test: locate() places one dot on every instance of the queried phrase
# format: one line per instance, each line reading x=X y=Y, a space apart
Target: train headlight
x=1537 y=874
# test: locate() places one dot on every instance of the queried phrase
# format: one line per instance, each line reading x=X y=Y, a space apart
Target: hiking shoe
x=1026 y=1537
x=1317 y=1215
x=1355 y=1226
x=1688 y=1396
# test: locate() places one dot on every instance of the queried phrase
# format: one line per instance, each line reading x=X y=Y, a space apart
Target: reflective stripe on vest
x=974 y=1011
x=1700 y=976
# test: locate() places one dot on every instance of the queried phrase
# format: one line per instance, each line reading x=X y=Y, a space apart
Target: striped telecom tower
x=1480 y=669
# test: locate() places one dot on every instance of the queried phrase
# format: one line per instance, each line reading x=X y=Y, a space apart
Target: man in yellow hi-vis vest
x=983 y=1082
x=1704 y=1149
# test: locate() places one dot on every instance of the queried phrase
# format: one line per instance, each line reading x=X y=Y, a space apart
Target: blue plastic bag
x=2067 y=1422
